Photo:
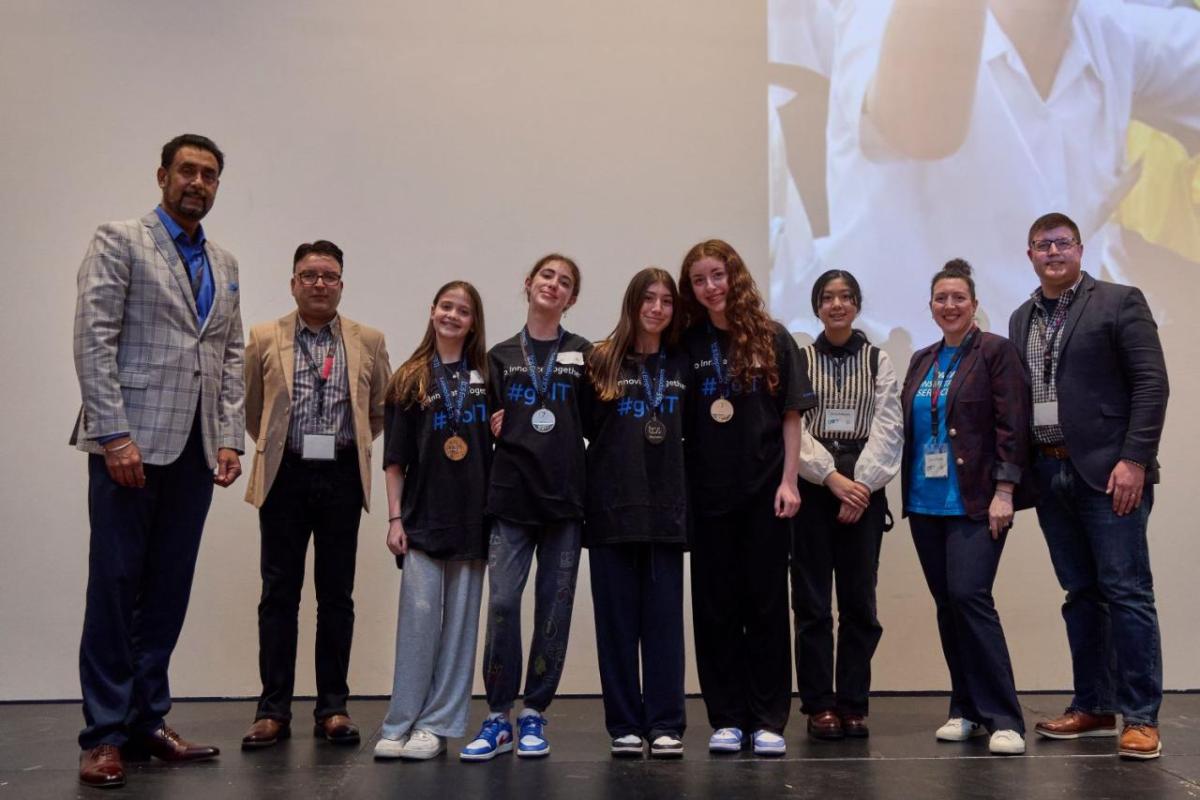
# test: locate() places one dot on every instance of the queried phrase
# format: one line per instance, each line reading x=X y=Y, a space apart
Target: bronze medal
x=455 y=448
x=721 y=410
x=656 y=431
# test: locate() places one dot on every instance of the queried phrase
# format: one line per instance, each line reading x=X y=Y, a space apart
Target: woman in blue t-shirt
x=966 y=440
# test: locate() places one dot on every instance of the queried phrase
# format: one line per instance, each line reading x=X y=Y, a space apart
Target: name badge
x=1045 y=413
x=937 y=461
x=319 y=447
x=841 y=420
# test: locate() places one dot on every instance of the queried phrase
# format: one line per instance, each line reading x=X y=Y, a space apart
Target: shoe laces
x=491 y=728
x=170 y=735
x=423 y=737
x=731 y=733
x=532 y=724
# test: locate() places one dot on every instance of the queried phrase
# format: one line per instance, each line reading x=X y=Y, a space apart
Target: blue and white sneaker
x=495 y=737
x=532 y=743
x=725 y=740
x=767 y=743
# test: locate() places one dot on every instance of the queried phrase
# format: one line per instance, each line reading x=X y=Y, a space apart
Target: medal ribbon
x=938 y=382
x=540 y=379
x=655 y=396
x=715 y=346
x=453 y=402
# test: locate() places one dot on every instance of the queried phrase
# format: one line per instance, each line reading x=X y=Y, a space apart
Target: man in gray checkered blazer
x=158 y=352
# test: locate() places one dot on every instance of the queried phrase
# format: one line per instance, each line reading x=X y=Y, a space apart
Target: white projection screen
x=464 y=139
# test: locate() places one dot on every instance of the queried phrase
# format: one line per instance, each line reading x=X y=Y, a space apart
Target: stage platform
x=901 y=759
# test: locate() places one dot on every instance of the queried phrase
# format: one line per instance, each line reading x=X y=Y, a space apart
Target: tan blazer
x=270 y=369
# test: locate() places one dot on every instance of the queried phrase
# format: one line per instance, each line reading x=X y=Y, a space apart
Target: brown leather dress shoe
x=167 y=745
x=854 y=726
x=825 y=725
x=1075 y=724
x=337 y=729
x=102 y=767
x=265 y=732
x=1140 y=741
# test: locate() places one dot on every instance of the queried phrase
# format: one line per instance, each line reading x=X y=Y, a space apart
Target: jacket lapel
x=353 y=343
x=166 y=248
x=1083 y=295
x=962 y=372
x=285 y=341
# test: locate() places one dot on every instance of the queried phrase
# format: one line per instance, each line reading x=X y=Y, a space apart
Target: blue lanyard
x=655 y=396
x=715 y=348
x=453 y=402
x=540 y=379
x=939 y=378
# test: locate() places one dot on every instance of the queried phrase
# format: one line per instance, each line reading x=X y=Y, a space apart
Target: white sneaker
x=767 y=743
x=390 y=748
x=666 y=746
x=628 y=745
x=958 y=729
x=1007 y=743
x=422 y=745
x=725 y=740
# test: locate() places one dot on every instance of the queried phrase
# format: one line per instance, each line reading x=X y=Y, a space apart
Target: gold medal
x=455 y=448
x=721 y=410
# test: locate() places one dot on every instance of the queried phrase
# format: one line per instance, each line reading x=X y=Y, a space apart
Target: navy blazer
x=1112 y=378
x=988 y=414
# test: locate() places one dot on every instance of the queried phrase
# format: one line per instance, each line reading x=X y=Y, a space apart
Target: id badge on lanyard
x=1045 y=413
x=841 y=420
x=937 y=460
x=320 y=438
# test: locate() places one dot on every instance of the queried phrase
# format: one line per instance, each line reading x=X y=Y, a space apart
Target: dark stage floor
x=900 y=760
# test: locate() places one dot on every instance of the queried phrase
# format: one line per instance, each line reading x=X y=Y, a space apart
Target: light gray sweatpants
x=435 y=646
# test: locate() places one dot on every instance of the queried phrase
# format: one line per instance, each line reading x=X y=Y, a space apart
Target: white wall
x=431 y=141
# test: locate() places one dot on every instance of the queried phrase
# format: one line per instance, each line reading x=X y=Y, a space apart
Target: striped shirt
x=842 y=380
x=329 y=412
x=1045 y=330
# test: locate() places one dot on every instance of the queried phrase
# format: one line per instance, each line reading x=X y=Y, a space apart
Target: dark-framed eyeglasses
x=1044 y=245
x=311 y=278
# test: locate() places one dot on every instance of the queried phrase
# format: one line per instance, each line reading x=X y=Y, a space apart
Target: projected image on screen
x=904 y=133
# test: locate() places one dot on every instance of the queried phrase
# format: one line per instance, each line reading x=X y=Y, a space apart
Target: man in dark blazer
x=1100 y=397
x=158 y=351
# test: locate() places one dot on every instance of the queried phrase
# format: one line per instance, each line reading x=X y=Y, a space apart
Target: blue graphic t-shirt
x=935 y=496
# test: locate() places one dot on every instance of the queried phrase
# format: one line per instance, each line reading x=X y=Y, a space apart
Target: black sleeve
x=495 y=382
x=399 y=435
x=797 y=390
x=1141 y=357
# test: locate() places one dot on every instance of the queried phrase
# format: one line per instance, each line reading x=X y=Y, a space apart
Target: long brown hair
x=411 y=382
x=604 y=364
x=751 y=329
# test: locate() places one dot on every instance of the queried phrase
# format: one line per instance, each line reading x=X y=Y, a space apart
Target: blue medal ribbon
x=654 y=396
x=722 y=383
x=453 y=402
x=540 y=379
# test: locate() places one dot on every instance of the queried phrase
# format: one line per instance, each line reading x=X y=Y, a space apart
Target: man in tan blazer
x=315 y=384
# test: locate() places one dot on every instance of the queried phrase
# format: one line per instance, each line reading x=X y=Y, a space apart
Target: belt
x=1055 y=451
x=837 y=446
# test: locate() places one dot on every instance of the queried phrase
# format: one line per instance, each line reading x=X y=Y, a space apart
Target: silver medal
x=543 y=420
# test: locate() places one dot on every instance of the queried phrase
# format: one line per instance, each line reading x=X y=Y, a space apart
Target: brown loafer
x=825 y=725
x=265 y=732
x=102 y=767
x=167 y=745
x=1076 y=724
x=337 y=729
x=1140 y=741
x=854 y=726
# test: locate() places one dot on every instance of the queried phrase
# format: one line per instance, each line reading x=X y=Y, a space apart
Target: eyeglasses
x=311 y=278
x=1044 y=245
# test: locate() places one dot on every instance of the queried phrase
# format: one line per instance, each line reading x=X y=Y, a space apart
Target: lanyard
x=453 y=402
x=321 y=373
x=655 y=396
x=540 y=379
x=939 y=379
x=1050 y=334
x=715 y=346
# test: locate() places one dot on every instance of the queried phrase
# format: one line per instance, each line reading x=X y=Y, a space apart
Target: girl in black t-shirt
x=637 y=518
x=437 y=452
x=535 y=500
x=742 y=445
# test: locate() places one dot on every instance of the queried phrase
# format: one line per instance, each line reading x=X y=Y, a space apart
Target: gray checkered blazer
x=142 y=358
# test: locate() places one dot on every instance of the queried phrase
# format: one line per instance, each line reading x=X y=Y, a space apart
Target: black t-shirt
x=637 y=491
x=443 y=500
x=539 y=477
x=728 y=462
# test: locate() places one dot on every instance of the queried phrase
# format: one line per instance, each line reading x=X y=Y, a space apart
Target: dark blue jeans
x=959 y=559
x=510 y=555
x=1103 y=562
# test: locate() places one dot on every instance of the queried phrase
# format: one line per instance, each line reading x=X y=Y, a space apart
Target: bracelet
x=118 y=448
x=1005 y=492
x=1135 y=463
x=393 y=519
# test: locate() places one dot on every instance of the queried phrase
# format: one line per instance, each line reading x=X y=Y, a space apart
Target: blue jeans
x=510 y=554
x=1103 y=562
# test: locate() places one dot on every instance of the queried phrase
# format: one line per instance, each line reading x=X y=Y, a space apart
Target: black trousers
x=321 y=499
x=140 y=566
x=637 y=595
x=822 y=548
x=740 y=614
